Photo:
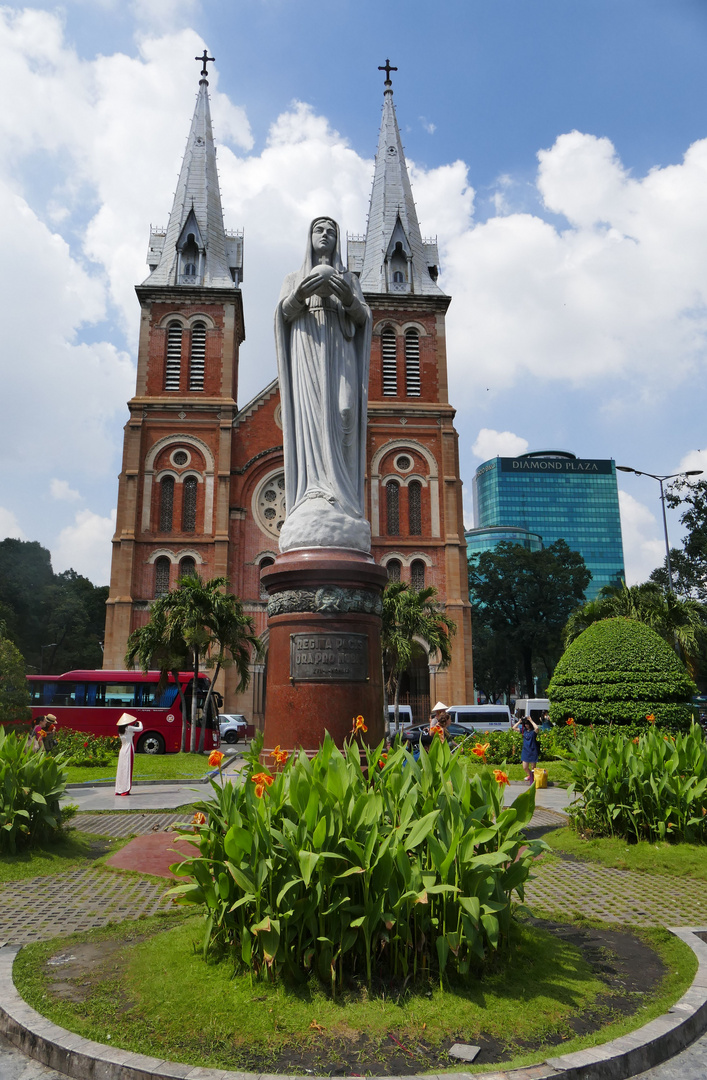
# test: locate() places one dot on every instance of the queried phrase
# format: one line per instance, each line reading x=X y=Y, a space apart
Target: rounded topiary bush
x=620 y=671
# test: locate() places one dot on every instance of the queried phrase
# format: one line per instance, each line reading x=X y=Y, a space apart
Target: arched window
x=398 y=276
x=187 y=567
x=392 y=496
x=415 y=507
x=166 y=503
x=393 y=567
x=390 y=362
x=189 y=490
x=162 y=566
x=198 y=356
x=174 y=356
x=412 y=363
x=417 y=574
x=264 y=594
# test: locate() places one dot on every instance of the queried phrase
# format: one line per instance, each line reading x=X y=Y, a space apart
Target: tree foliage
x=620 y=671
x=14 y=691
x=56 y=620
x=679 y=621
x=689 y=563
x=525 y=597
x=413 y=623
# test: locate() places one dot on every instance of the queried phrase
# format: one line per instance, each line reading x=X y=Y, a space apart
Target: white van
x=404 y=715
x=533 y=707
x=481 y=717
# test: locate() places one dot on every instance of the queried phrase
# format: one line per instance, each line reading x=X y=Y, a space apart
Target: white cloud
x=490 y=443
x=429 y=127
x=61 y=490
x=85 y=546
x=10 y=526
x=694 y=459
x=644 y=548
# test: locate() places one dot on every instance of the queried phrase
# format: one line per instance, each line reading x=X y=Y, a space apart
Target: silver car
x=232 y=726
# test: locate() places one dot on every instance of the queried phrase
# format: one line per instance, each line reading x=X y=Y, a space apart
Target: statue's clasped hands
x=325 y=281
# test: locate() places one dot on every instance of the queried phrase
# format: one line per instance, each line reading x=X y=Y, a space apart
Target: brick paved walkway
x=45 y=907
x=622 y=896
x=122 y=825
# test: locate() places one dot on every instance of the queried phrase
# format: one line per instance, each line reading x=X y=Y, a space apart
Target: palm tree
x=232 y=641
x=411 y=616
x=159 y=644
x=187 y=624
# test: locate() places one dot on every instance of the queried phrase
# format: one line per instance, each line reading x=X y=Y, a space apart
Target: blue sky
x=558 y=150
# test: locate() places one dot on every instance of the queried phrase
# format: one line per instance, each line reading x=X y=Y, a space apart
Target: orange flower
x=636 y=740
x=198 y=819
x=359 y=724
x=435 y=729
x=382 y=760
x=279 y=756
x=570 y=722
x=262 y=778
x=215 y=758
x=259 y=789
x=500 y=777
x=480 y=751
x=650 y=718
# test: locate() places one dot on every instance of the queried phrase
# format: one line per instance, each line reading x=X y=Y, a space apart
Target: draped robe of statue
x=323 y=355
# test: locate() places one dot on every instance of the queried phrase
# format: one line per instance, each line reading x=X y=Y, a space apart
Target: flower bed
x=31 y=784
x=652 y=786
x=82 y=749
x=391 y=869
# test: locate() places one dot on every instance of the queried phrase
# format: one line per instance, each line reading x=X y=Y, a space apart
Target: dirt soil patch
x=629 y=969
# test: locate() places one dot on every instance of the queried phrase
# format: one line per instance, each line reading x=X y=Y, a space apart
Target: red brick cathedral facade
x=202 y=487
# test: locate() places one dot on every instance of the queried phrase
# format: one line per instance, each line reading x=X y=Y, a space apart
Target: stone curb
x=82 y=1059
x=184 y=781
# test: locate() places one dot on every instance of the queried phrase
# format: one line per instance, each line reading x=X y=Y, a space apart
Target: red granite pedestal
x=324 y=654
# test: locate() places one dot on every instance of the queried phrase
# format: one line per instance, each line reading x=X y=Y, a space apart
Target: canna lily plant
x=390 y=868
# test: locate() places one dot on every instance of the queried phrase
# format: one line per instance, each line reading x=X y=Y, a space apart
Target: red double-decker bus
x=94 y=701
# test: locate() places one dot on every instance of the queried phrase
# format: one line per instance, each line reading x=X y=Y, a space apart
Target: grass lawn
x=676 y=860
x=146 y=767
x=74 y=851
x=144 y=999
x=557 y=771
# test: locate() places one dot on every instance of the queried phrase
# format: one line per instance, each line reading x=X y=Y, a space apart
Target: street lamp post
x=661 y=480
x=52 y=645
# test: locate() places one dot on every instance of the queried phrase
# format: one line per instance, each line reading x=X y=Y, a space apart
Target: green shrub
x=619 y=671
x=31 y=784
x=14 y=691
x=80 y=748
x=402 y=867
x=651 y=787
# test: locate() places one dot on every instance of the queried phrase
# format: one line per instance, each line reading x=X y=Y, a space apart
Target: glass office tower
x=558 y=496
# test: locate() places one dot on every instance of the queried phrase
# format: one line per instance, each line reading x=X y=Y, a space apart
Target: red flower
x=85 y=745
x=570 y=722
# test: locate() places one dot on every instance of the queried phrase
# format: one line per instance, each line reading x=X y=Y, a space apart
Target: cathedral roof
x=195 y=249
x=393 y=246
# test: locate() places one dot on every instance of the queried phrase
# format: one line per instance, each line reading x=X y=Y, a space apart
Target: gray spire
x=394 y=258
x=194 y=249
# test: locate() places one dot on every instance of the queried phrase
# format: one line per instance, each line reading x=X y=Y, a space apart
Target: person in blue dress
x=531 y=747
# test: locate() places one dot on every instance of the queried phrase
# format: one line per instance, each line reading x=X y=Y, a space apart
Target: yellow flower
x=215 y=758
x=359 y=724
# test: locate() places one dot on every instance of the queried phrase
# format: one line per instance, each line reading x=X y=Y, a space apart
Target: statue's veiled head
x=324 y=236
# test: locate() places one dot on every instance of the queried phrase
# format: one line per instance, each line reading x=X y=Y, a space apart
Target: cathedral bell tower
x=173 y=496
x=414 y=488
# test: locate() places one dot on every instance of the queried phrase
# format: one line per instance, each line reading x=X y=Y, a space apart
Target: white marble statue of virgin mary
x=323 y=340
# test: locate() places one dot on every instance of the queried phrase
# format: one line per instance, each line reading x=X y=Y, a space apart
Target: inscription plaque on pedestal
x=329 y=657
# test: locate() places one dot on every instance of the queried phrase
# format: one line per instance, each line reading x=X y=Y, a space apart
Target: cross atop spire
x=387 y=68
x=204 y=60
